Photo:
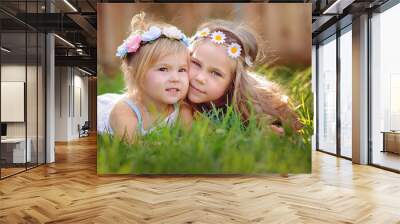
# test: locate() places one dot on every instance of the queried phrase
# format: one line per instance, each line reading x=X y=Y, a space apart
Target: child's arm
x=289 y=115
x=186 y=114
x=278 y=130
x=123 y=122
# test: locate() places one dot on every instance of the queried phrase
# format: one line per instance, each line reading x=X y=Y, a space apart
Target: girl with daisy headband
x=222 y=58
x=155 y=65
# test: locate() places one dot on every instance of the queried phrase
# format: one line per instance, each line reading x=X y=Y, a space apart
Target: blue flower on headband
x=185 y=41
x=134 y=41
x=152 y=34
x=122 y=51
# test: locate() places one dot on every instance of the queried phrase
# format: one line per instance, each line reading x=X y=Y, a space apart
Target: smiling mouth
x=172 y=90
x=197 y=90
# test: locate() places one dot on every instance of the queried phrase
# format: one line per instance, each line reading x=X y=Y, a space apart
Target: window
x=346 y=92
x=385 y=88
x=22 y=76
x=327 y=95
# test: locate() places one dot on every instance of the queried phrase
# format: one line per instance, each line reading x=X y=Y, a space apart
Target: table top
x=391 y=132
x=13 y=140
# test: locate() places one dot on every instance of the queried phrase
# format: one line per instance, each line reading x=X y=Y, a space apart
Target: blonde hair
x=136 y=65
x=250 y=92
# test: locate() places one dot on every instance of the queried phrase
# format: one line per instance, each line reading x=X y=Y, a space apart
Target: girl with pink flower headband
x=155 y=61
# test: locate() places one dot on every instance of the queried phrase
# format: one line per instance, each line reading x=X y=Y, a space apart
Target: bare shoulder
x=123 y=121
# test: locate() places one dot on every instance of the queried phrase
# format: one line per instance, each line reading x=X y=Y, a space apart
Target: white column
x=50 y=100
x=360 y=90
x=50 y=93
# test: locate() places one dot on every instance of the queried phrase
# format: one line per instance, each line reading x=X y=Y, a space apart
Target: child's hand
x=277 y=130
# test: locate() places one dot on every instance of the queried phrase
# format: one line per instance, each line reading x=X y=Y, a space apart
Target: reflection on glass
x=13 y=85
x=345 y=94
x=327 y=96
x=385 y=86
x=22 y=90
x=31 y=97
x=41 y=98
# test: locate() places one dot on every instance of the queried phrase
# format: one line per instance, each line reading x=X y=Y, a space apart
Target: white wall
x=61 y=103
x=33 y=126
x=12 y=101
x=12 y=73
x=70 y=83
x=81 y=94
x=15 y=73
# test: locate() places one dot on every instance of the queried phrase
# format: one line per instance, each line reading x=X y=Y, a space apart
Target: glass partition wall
x=327 y=95
x=345 y=61
x=334 y=94
x=13 y=109
x=385 y=89
x=22 y=98
x=334 y=90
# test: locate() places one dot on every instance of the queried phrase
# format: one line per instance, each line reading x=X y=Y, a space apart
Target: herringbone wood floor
x=69 y=191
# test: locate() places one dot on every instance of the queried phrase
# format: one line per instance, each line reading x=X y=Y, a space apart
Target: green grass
x=217 y=143
x=107 y=84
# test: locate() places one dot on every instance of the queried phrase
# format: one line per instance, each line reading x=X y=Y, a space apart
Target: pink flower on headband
x=133 y=43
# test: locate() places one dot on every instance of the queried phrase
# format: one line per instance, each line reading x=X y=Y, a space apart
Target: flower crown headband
x=218 y=37
x=134 y=41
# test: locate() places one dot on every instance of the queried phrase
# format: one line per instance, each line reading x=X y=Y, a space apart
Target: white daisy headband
x=218 y=37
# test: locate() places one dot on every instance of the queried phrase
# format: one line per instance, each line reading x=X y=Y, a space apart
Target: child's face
x=211 y=72
x=167 y=80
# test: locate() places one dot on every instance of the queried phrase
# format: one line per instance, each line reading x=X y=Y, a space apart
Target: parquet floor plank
x=70 y=191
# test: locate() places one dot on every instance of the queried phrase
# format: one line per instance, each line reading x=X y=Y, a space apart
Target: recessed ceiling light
x=338 y=6
x=86 y=72
x=5 y=49
x=70 y=5
x=64 y=40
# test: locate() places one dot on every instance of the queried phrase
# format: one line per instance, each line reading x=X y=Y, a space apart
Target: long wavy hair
x=250 y=92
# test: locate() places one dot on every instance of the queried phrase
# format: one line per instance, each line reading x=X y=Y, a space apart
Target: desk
x=16 y=147
x=391 y=141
